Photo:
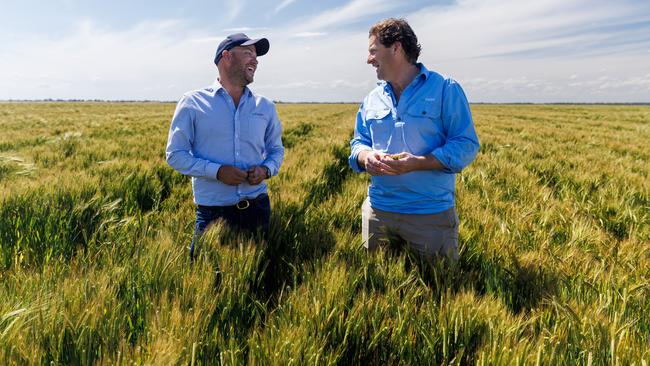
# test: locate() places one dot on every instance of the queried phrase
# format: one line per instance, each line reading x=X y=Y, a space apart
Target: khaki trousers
x=431 y=235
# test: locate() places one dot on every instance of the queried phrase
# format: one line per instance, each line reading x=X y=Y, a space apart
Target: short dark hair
x=391 y=30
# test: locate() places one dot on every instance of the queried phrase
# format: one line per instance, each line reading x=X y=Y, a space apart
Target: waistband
x=241 y=205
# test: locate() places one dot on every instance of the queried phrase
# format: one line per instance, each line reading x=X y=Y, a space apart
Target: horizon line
x=52 y=100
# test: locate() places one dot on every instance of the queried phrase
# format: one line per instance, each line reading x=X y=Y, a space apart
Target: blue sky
x=499 y=50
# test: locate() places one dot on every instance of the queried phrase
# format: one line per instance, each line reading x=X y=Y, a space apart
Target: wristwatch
x=268 y=171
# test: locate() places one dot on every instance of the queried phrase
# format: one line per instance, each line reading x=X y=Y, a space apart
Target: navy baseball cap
x=240 y=39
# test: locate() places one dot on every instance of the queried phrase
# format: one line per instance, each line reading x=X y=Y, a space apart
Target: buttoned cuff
x=353 y=160
x=267 y=170
x=272 y=171
x=211 y=170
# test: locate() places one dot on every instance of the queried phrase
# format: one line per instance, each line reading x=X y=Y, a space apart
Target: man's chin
x=245 y=80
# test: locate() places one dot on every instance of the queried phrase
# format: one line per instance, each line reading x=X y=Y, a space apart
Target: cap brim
x=261 y=45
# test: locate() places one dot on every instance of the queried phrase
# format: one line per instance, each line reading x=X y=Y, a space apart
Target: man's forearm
x=186 y=164
x=428 y=162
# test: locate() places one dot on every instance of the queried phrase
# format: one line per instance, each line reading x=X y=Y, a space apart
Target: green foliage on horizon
x=94 y=229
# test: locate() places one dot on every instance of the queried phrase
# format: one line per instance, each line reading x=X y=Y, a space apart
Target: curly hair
x=391 y=30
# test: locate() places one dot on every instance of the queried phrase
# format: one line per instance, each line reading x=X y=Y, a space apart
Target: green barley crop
x=94 y=229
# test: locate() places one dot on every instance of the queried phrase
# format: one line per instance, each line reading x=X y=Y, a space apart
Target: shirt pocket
x=380 y=125
x=424 y=126
x=255 y=129
x=425 y=109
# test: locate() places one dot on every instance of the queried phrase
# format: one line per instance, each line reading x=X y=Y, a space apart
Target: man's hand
x=231 y=175
x=256 y=175
x=402 y=163
x=373 y=161
x=405 y=162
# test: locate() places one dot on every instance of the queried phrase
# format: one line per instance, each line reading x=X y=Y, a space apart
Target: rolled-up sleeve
x=273 y=144
x=360 y=142
x=462 y=143
x=180 y=141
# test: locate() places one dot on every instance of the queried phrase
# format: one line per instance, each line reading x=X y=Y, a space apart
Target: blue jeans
x=250 y=217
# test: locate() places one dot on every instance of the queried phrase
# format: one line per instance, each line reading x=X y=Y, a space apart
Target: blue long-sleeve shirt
x=207 y=131
x=432 y=117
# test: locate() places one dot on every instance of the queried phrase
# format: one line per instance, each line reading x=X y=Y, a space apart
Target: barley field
x=94 y=229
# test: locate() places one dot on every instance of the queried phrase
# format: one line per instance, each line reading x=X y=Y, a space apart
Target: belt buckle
x=243 y=204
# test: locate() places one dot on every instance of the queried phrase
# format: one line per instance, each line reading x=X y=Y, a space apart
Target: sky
x=540 y=51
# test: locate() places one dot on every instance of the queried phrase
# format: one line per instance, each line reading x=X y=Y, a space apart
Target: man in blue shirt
x=413 y=133
x=228 y=139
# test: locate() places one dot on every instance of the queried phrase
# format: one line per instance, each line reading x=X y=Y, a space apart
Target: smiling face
x=242 y=65
x=382 y=58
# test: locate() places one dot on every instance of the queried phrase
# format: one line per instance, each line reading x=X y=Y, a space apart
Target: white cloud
x=500 y=51
x=489 y=28
x=349 y=13
x=214 y=40
x=233 y=8
x=532 y=51
x=244 y=29
x=283 y=5
x=309 y=34
x=333 y=70
x=94 y=63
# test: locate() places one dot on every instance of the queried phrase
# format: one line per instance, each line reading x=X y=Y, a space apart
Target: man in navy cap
x=228 y=139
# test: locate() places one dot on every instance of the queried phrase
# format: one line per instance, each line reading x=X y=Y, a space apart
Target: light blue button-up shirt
x=432 y=117
x=208 y=131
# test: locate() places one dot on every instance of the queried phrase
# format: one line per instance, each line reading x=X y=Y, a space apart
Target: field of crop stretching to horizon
x=94 y=225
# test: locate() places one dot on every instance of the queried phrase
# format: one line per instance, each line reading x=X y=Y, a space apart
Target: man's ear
x=397 y=45
x=226 y=55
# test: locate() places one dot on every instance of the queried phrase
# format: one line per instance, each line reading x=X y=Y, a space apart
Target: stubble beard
x=238 y=75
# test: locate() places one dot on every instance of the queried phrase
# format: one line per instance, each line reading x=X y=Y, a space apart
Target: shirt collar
x=424 y=72
x=218 y=88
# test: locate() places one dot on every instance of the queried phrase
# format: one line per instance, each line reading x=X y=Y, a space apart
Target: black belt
x=243 y=204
